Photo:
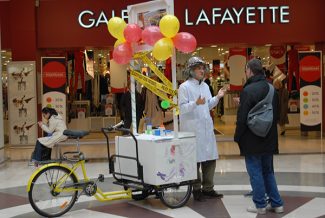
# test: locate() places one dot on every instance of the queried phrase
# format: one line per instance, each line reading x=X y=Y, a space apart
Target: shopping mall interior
x=46 y=41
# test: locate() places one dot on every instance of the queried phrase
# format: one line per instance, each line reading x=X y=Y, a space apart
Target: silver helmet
x=192 y=63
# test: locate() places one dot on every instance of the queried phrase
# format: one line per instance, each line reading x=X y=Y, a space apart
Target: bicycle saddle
x=75 y=133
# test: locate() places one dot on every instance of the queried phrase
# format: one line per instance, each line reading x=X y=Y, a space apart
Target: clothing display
x=152 y=109
x=95 y=89
x=229 y=102
x=79 y=70
x=126 y=108
x=103 y=84
x=168 y=69
x=293 y=69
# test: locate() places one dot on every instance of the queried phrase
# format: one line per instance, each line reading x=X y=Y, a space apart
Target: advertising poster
x=310 y=72
x=22 y=103
x=237 y=62
x=54 y=79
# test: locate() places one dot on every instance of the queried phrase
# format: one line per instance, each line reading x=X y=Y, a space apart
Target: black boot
x=198 y=196
x=212 y=194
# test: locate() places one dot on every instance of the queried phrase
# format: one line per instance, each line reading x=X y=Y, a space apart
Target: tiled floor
x=300 y=174
x=301 y=181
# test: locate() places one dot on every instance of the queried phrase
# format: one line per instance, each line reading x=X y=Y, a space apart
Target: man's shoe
x=212 y=194
x=249 y=194
x=198 y=196
x=253 y=209
x=275 y=209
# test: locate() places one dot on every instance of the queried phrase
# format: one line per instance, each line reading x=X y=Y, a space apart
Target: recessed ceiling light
x=3 y=51
x=268 y=44
x=213 y=46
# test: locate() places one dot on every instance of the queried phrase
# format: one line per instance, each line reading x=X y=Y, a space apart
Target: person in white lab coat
x=195 y=102
x=54 y=127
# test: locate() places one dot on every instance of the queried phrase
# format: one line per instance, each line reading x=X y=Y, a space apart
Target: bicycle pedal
x=101 y=178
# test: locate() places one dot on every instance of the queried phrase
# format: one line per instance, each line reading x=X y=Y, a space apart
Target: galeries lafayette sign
x=213 y=16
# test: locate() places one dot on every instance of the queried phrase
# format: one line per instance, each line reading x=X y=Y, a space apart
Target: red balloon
x=185 y=42
x=151 y=35
x=132 y=33
x=122 y=54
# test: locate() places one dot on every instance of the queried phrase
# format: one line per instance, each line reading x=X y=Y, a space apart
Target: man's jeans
x=260 y=171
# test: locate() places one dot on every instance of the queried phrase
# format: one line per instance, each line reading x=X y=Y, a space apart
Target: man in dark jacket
x=258 y=151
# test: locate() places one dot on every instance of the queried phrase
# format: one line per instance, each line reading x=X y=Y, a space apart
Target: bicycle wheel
x=175 y=197
x=47 y=202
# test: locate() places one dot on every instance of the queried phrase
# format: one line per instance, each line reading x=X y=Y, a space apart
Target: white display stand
x=165 y=160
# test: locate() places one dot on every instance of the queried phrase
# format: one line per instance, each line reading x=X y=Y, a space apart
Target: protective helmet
x=192 y=63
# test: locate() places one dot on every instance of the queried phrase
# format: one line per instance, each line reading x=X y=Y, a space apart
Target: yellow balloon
x=116 y=26
x=169 y=25
x=119 y=42
x=163 y=49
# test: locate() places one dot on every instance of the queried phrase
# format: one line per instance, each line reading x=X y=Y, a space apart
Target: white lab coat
x=56 y=126
x=196 y=118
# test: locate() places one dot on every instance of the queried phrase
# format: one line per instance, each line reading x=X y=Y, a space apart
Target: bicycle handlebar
x=115 y=127
x=118 y=127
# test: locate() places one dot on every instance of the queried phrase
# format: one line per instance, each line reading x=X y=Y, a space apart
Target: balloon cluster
x=163 y=38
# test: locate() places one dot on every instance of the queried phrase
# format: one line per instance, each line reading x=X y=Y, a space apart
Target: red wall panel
x=23 y=30
x=59 y=27
x=5 y=25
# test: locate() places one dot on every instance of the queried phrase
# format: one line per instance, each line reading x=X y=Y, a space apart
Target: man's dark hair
x=255 y=65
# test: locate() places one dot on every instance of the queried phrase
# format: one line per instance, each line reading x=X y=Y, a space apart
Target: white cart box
x=165 y=160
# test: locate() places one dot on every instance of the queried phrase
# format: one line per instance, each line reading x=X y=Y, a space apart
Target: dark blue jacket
x=255 y=89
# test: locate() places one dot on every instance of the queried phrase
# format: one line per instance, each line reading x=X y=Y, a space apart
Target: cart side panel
x=164 y=161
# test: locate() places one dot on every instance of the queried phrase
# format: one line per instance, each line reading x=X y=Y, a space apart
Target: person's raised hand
x=222 y=91
x=200 y=101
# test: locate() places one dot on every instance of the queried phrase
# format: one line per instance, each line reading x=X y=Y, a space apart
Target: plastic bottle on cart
x=162 y=130
x=149 y=127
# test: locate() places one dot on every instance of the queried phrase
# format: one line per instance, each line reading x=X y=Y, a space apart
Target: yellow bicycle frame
x=100 y=195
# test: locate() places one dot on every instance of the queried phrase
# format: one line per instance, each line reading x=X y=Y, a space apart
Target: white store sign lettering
x=247 y=15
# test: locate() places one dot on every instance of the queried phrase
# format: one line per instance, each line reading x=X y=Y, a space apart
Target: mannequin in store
x=283 y=104
x=89 y=56
x=79 y=70
x=293 y=68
